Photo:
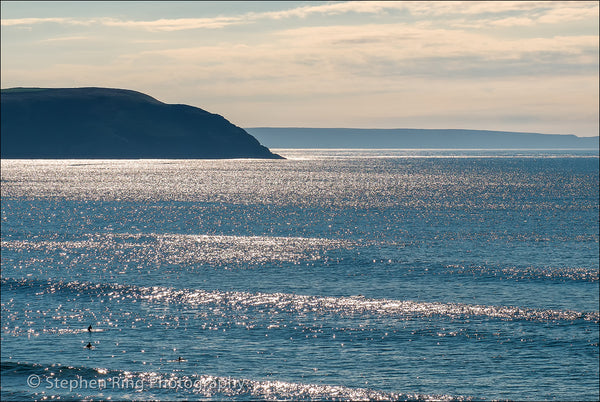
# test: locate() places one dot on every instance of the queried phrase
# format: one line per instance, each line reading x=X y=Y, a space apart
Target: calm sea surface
x=337 y=274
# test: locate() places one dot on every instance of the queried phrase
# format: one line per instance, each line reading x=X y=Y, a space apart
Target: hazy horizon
x=413 y=128
x=502 y=66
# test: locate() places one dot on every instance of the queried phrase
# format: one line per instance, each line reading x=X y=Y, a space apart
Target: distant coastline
x=408 y=138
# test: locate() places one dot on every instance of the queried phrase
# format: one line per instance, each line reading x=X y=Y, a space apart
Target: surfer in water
x=90 y=328
x=89 y=345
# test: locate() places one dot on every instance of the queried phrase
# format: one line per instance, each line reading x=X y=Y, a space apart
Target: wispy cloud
x=495 y=14
x=33 y=21
x=406 y=42
x=177 y=24
x=65 y=39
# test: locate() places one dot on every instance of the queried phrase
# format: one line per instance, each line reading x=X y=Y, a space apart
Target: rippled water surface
x=334 y=274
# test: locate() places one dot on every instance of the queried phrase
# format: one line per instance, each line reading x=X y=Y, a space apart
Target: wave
x=188 y=249
x=299 y=304
x=244 y=252
x=156 y=385
x=581 y=274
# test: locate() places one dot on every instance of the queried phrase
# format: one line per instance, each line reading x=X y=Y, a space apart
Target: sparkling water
x=334 y=274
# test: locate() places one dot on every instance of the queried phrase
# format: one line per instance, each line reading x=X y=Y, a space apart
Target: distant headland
x=67 y=123
x=408 y=138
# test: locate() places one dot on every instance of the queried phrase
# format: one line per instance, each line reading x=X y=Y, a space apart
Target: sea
x=330 y=275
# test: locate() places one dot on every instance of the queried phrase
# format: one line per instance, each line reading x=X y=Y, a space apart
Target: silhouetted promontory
x=59 y=123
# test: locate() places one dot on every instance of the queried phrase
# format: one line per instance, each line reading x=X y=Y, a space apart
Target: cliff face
x=115 y=123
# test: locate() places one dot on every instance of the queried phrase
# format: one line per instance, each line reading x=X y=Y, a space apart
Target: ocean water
x=332 y=275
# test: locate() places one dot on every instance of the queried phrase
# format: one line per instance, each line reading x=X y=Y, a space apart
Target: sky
x=510 y=66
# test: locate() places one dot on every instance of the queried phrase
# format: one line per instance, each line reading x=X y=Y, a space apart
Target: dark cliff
x=115 y=123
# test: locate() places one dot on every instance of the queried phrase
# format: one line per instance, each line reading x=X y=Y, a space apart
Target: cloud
x=408 y=42
x=572 y=11
x=364 y=7
x=551 y=13
x=65 y=39
x=496 y=13
x=32 y=21
x=177 y=24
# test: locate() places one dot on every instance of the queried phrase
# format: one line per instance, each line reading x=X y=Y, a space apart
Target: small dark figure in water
x=89 y=345
x=90 y=328
x=180 y=359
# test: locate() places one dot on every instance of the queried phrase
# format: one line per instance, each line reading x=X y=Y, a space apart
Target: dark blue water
x=330 y=275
